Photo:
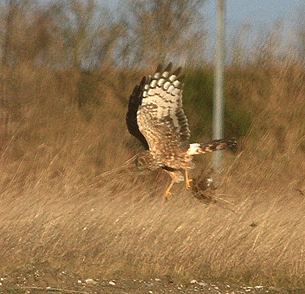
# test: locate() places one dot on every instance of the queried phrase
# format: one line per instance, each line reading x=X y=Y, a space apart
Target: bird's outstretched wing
x=160 y=118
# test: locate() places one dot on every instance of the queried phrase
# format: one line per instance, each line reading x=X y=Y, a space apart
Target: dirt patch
x=44 y=280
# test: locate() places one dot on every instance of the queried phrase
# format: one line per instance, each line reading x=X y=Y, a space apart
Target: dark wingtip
x=169 y=67
x=177 y=71
x=134 y=91
x=159 y=68
x=181 y=78
x=143 y=81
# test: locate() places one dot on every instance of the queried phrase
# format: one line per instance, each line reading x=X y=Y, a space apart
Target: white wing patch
x=166 y=93
x=193 y=149
x=160 y=114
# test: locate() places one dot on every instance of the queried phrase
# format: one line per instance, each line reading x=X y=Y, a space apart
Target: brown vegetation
x=71 y=196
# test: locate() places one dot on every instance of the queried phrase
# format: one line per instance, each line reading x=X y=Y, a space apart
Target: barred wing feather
x=160 y=116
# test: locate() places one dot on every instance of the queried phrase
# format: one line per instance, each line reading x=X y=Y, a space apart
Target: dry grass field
x=71 y=197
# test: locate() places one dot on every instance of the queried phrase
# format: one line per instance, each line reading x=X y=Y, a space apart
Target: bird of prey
x=155 y=116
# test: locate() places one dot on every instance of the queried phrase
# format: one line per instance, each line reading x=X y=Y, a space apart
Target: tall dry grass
x=70 y=197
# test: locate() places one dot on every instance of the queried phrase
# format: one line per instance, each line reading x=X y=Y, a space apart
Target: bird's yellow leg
x=187 y=180
x=168 y=192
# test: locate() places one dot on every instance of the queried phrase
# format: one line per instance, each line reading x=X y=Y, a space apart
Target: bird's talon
x=187 y=184
x=167 y=193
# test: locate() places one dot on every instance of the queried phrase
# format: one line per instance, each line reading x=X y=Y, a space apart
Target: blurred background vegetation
x=88 y=55
x=67 y=70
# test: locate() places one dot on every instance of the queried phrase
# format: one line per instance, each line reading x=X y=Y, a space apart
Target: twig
x=225 y=205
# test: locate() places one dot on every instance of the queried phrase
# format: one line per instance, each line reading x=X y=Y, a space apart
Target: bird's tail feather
x=214 y=145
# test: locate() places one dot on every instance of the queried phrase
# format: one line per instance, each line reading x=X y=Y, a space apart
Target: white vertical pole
x=218 y=103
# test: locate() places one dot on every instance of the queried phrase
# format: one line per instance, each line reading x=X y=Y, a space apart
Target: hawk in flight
x=155 y=116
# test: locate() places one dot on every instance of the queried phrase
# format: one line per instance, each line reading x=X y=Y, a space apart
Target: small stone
x=203 y=284
x=193 y=281
x=79 y=281
x=90 y=282
x=149 y=285
x=259 y=287
x=157 y=280
x=112 y=283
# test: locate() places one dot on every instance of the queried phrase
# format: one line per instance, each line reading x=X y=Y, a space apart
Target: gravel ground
x=30 y=280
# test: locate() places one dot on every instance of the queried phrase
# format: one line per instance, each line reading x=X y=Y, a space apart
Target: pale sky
x=261 y=15
x=257 y=13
